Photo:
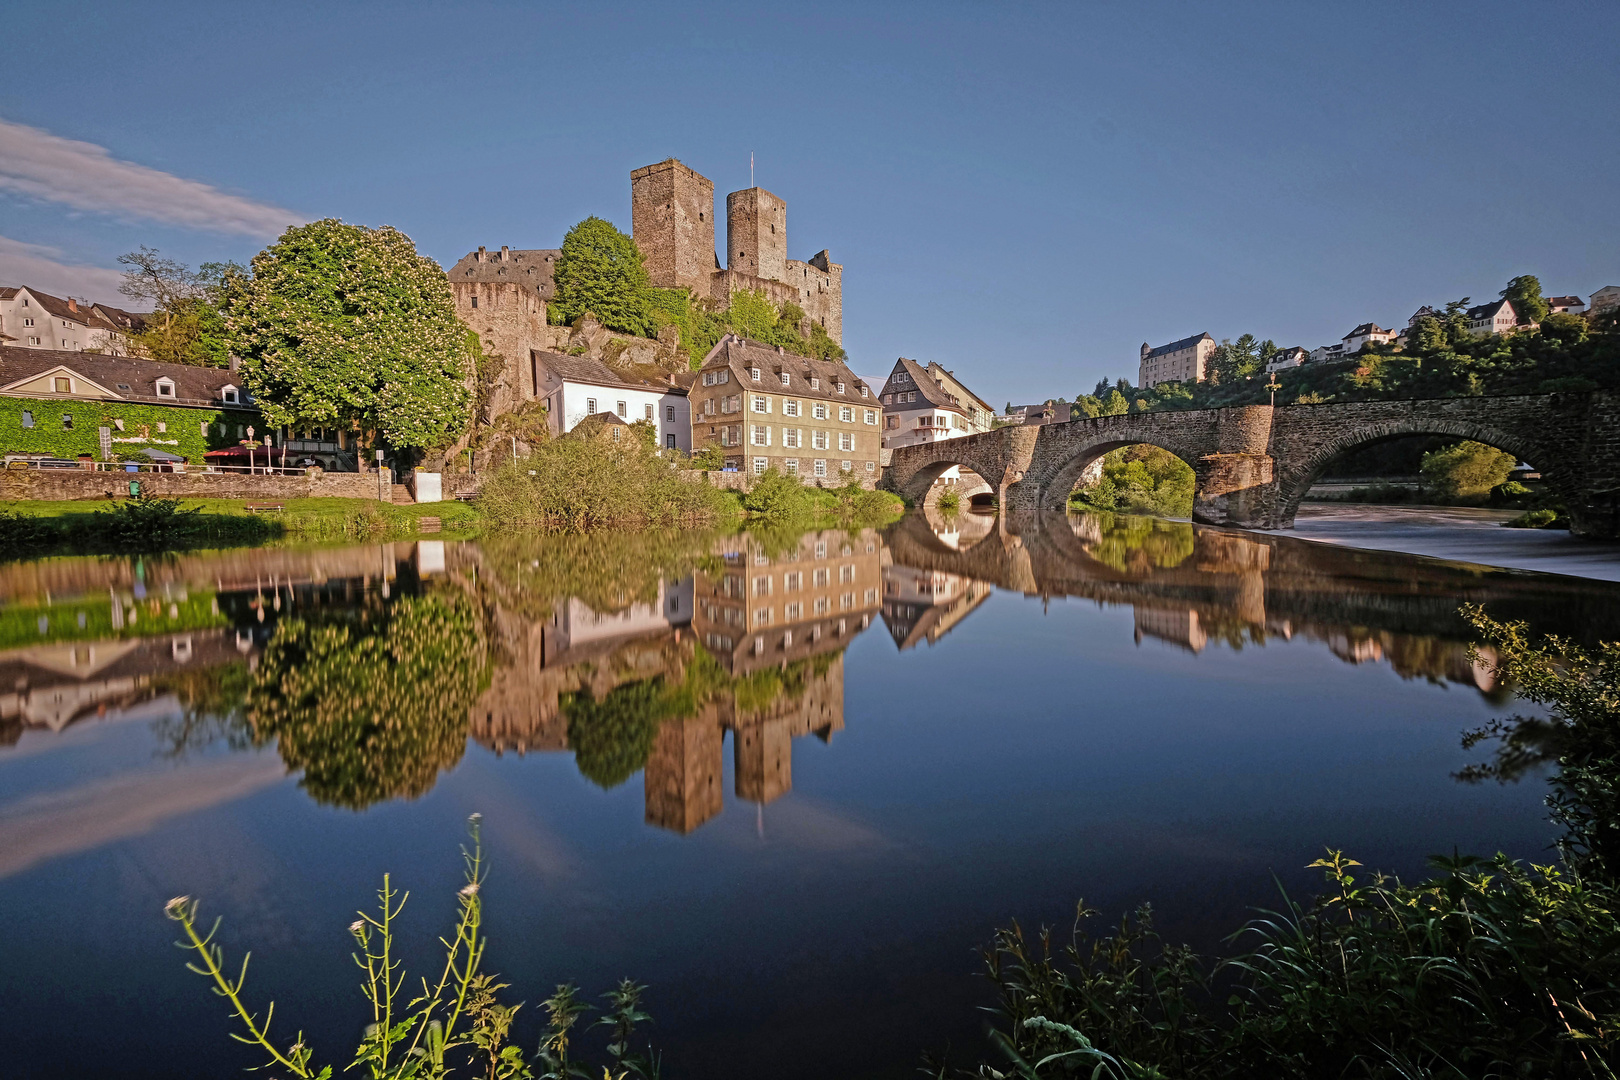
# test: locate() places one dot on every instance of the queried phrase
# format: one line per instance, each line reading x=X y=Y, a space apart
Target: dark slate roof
x=1565 y=301
x=582 y=369
x=1367 y=328
x=934 y=365
x=740 y=354
x=119 y=318
x=933 y=393
x=1177 y=346
x=531 y=267
x=1485 y=311
x=192 y=385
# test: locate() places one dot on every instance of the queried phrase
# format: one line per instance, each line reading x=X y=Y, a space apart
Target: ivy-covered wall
x=173 y=428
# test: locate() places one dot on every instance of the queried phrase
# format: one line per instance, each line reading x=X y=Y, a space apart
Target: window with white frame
x=762 y=403
x=791 y=466
x=820 y=607
x=793 y=611
x=760 y=465
x=785 y=380
x=819 y=411
x=840 y=386
x=863 y=391
x=647 y=412
x=815 y=384
x=846 y=573
x=846 y=414
x=165 y=387
x=790 y=408
x=230 y=395
x=791 y=438
x=762 y=435
x=846 y=441
x=870 y=596
x=755 y=373
x=762 y=585
x=869 y=416
x=622 y=410
x=590 y=406
x=818 y=440
x=762 y=616
x=821 y=552
x=820 y=467
x=871 y=466
x=846 y=467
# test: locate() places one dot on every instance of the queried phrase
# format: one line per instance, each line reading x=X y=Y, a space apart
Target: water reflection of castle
x=774 y=619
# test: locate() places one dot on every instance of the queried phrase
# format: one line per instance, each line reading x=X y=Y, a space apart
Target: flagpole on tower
x=750 y=168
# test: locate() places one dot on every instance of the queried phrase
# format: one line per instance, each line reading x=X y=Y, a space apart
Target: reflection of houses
x=1178 y=626
x=55 y=684
x=764 y=610
x=925 y=605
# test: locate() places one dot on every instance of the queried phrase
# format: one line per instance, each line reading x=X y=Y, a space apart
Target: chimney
x=779 y=350
x=480 y=252
x=236 y=363
x=73 y=305
x=506 y=254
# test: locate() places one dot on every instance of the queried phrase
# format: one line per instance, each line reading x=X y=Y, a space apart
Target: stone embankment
x=69 y=484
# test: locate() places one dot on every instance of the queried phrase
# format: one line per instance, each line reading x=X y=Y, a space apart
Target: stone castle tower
x=672 y=220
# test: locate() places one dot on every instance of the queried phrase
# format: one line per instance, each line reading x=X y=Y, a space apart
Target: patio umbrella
x=159 y=455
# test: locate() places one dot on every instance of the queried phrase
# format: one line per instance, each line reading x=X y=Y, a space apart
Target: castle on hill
x=672 y=220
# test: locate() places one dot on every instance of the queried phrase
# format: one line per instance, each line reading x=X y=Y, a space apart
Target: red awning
x=231 y=453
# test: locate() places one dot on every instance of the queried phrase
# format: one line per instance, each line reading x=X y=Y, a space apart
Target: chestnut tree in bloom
x=343 y=326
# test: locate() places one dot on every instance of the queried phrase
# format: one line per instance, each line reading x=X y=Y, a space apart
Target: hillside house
x=922 y=405
x=1565 y=305
x=1291 y=357
x=575 y=388
x=31 y=319
x=1179 y=361
x=1496 y=317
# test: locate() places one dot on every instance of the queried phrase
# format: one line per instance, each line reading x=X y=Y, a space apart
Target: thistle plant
x=426 y=1032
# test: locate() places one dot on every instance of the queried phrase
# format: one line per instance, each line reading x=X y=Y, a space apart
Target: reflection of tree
x=371 y=704
x=607 y=570
x=212 y=707
x=611 y=738
x=1133 y=544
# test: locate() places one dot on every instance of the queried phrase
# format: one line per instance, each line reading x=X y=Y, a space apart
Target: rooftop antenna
x=750 y=168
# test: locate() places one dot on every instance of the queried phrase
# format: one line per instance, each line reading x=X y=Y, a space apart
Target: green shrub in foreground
x=454 y=1025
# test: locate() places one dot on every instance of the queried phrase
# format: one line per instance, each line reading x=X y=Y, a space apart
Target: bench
x=466 y=496
x=264 y=508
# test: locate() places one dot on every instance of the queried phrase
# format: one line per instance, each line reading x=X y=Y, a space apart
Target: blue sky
x=1024 y=192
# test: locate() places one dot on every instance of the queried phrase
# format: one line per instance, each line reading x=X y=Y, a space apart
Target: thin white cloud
x=43 y=268
x=85 y=176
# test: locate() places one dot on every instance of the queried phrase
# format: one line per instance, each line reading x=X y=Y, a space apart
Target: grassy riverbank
x=98 y=526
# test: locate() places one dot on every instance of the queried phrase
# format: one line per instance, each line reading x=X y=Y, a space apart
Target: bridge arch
x=1085 y=465
x=1301 y=471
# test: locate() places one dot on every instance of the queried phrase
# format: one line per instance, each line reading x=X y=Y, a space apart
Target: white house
x=1366 y=334
x=1604 y=299
x=1496 y=317
x=1326 y=354
x=31 y=319
x=918 y=409
x=1565 y=305
x=574 y=387
x=1291 y=357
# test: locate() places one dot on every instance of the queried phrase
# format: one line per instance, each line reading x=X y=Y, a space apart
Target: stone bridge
x=1255 y=463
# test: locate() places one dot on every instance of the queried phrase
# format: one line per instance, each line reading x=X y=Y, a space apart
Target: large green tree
x=1524 y=292
x=600 y=271
x=344 y=326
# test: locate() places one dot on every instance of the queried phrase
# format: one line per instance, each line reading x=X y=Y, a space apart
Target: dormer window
x=165 y=387
x=230 y=395
x=840 y=388
x=785 y=380
x=755 y=373
x=863 y=392
x=815 y=384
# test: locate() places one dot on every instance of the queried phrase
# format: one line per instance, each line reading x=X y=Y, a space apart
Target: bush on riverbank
x=591 y=481
x=1141 y=480
x=1486 y=969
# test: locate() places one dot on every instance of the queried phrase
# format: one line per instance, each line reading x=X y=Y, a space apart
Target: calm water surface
x=791 y=782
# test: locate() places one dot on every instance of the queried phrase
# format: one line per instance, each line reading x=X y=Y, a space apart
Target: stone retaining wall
x=70 y=484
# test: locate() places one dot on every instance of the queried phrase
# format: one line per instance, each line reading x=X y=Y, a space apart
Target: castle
x=503 y=296
x=672 y=220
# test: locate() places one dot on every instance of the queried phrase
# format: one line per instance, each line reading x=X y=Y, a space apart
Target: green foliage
x=700 y=327
x=950 y=501
x=371 y=705
x=142 y=524
x=185 y=326
x=612 y=738
x=1132 y=544
x=344 y=326
x=1236 y=361
x=1466 y=471
x=778 y=498
x=1524 y=293
x=171 y=428
x=1141 y=479
x=585 y=482
x=600 y=271
x=1544 y=518
x=454 y=1025
x=146 y=523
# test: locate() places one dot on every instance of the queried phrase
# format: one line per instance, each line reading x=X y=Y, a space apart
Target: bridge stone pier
x=1254 y=463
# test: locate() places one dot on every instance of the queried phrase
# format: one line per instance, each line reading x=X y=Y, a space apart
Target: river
x=791 y=782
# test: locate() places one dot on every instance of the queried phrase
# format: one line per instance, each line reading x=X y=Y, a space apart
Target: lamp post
x=379 y=476
x=1273 y=386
